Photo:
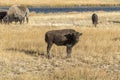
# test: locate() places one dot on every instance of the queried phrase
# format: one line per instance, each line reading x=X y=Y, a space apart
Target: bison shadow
x=116 y=39
x=115 y=21
x=28 y=52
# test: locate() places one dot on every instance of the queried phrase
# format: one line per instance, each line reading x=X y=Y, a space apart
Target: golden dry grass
x=95 y=57
x=63 y=3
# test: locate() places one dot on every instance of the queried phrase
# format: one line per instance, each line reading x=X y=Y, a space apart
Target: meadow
x=95 y=57
x=61 y=3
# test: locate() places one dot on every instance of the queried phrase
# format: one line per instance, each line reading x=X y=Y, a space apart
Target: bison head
x=73 y=37
x=6 y=19
x=76 y=36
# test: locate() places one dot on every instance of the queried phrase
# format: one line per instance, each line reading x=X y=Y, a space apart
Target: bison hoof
x=48 y=57
x=68 y=56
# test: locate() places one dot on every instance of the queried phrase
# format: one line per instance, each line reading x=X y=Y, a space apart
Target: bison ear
x=80 y=34
x=77 y=33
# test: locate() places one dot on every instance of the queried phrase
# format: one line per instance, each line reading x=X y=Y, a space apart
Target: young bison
x=65 y=37
x=2 y=15
x=95 y=19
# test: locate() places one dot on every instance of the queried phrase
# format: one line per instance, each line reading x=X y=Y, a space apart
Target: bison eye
x=5 y=17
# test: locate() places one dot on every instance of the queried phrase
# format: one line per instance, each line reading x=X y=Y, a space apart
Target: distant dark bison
x=2 y=15
x=95 y=19
x=65 y=37
x=17 y=14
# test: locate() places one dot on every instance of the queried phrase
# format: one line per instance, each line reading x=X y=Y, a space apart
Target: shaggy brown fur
x=2 y=15
x=65 y=37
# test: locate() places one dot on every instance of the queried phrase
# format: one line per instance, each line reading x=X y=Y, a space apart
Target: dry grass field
x=95 y=57
x=62 y=3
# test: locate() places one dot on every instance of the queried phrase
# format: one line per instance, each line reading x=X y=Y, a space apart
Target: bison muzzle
x=65 y=37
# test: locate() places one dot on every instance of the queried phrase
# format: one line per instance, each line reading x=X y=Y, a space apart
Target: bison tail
x=46 y=37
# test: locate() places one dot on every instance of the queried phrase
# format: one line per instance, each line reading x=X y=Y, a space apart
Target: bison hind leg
x=27 y=19
x=69 y=50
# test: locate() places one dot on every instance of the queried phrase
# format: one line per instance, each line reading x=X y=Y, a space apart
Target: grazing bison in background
x=65 y=37
x=17 y=14
x=95 y=19
x=2 y=15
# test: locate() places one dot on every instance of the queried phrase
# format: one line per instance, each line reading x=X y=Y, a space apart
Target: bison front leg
x=95 y=24
x=27 y=19
x=69 y=50
x=48 y=50
x=23 y=20
x=1 y=21
x=20 y=21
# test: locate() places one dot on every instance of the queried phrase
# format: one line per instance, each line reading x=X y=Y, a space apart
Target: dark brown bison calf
x=65 y=37
x=2 y=15
x=95 y=19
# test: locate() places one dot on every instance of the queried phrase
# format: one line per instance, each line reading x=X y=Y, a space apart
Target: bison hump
x=23 y=8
